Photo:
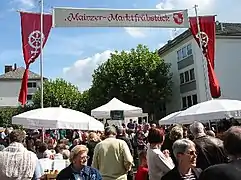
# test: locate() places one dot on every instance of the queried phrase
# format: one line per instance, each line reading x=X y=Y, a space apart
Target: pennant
x=31 y=43
x=207 y=33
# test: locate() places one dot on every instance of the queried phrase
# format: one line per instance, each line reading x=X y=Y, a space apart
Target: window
x=29 y=97
x=184 y=52
x=182 y=80
x=192 y=74
x=189 y=101
x=187 y=76
x=189 y=49
x=32 y=84
x=179 y=55
x=184 y=102
x=194 y=99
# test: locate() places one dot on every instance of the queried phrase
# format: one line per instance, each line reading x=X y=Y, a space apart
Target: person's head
x=93 y=136
x=210 y=133
x=66 y=154
x=185 y=132
x=232 y=141
x=76 y=142
x=153 y=125
x=78 y=156
x=17 y=135
x=6 y=131
x=197 y=129
x=143 y=159
x=176 y=133
x=155 y=136
x=42 y=147
x=185 y=153
x=85 y=136
x=59 y=148
x=50 y=146
x=120 y=130
x=110 y=131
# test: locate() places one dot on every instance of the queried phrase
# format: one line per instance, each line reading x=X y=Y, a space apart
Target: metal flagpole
x=203 y=58
x=41 y=58
x=41 y=49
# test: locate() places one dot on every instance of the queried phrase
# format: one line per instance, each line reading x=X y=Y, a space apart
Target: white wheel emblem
x=204 y=38
x=34 y=40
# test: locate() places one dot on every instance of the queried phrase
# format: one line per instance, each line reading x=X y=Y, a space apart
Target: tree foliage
x=139 y=77
x=58 y=93
x=6 y=115
x=85 y=102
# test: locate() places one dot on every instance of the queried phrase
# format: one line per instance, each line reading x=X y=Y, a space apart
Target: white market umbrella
x=57 y=118
x=210 y=110
x=116 y=105
x=169 y=119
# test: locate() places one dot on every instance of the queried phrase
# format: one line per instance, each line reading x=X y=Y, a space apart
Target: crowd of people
x=132 y=152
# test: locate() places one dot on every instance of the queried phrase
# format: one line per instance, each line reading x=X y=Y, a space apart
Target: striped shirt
x=189 y=176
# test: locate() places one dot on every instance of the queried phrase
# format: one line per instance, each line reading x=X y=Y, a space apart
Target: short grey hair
x=110 y=130
x=181 y=146
x=76 y=150
x=197 y=128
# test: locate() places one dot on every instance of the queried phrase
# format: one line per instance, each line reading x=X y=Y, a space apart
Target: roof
x=18 y=74
x=222 y=29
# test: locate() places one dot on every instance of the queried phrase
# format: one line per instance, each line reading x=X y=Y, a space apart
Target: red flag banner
x=207 y=33
x=31 y=43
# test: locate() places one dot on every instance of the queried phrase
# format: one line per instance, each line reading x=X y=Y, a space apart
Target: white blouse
x=158 y=163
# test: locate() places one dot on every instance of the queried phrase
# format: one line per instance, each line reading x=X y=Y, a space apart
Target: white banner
x=76 y=17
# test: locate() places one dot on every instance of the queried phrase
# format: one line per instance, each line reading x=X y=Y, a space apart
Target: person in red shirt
x=142 y=171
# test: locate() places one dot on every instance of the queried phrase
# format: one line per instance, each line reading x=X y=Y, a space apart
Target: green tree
x=139 y=77
x=6 y=115
x=58 y=93
x=85 y=104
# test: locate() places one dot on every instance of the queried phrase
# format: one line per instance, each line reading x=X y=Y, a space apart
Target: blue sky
x=73 y=53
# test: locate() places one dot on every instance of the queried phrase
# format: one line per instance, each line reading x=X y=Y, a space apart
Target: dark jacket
x=87 y=173
x=229 y=171
x=210 y=151
x=128 y=142
x=91 y=146
x=175 y=175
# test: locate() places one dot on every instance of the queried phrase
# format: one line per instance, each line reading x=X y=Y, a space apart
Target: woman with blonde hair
x=78 y=168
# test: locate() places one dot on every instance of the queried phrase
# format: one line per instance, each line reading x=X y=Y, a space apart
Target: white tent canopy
x=210 y=110
x=116 y=105
x=169 y=119
x=57 y=118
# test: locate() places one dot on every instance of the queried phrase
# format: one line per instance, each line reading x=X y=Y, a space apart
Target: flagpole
x=41 y=59
x=41 y=50
x=203 y=58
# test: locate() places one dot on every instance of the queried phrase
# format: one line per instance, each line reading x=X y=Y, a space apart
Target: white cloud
x=25 y=4
x=135 y=32
x=204 y=6
x=80 y=73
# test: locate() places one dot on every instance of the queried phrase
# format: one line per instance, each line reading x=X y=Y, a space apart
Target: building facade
x=190 y=80
x=10 y=84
